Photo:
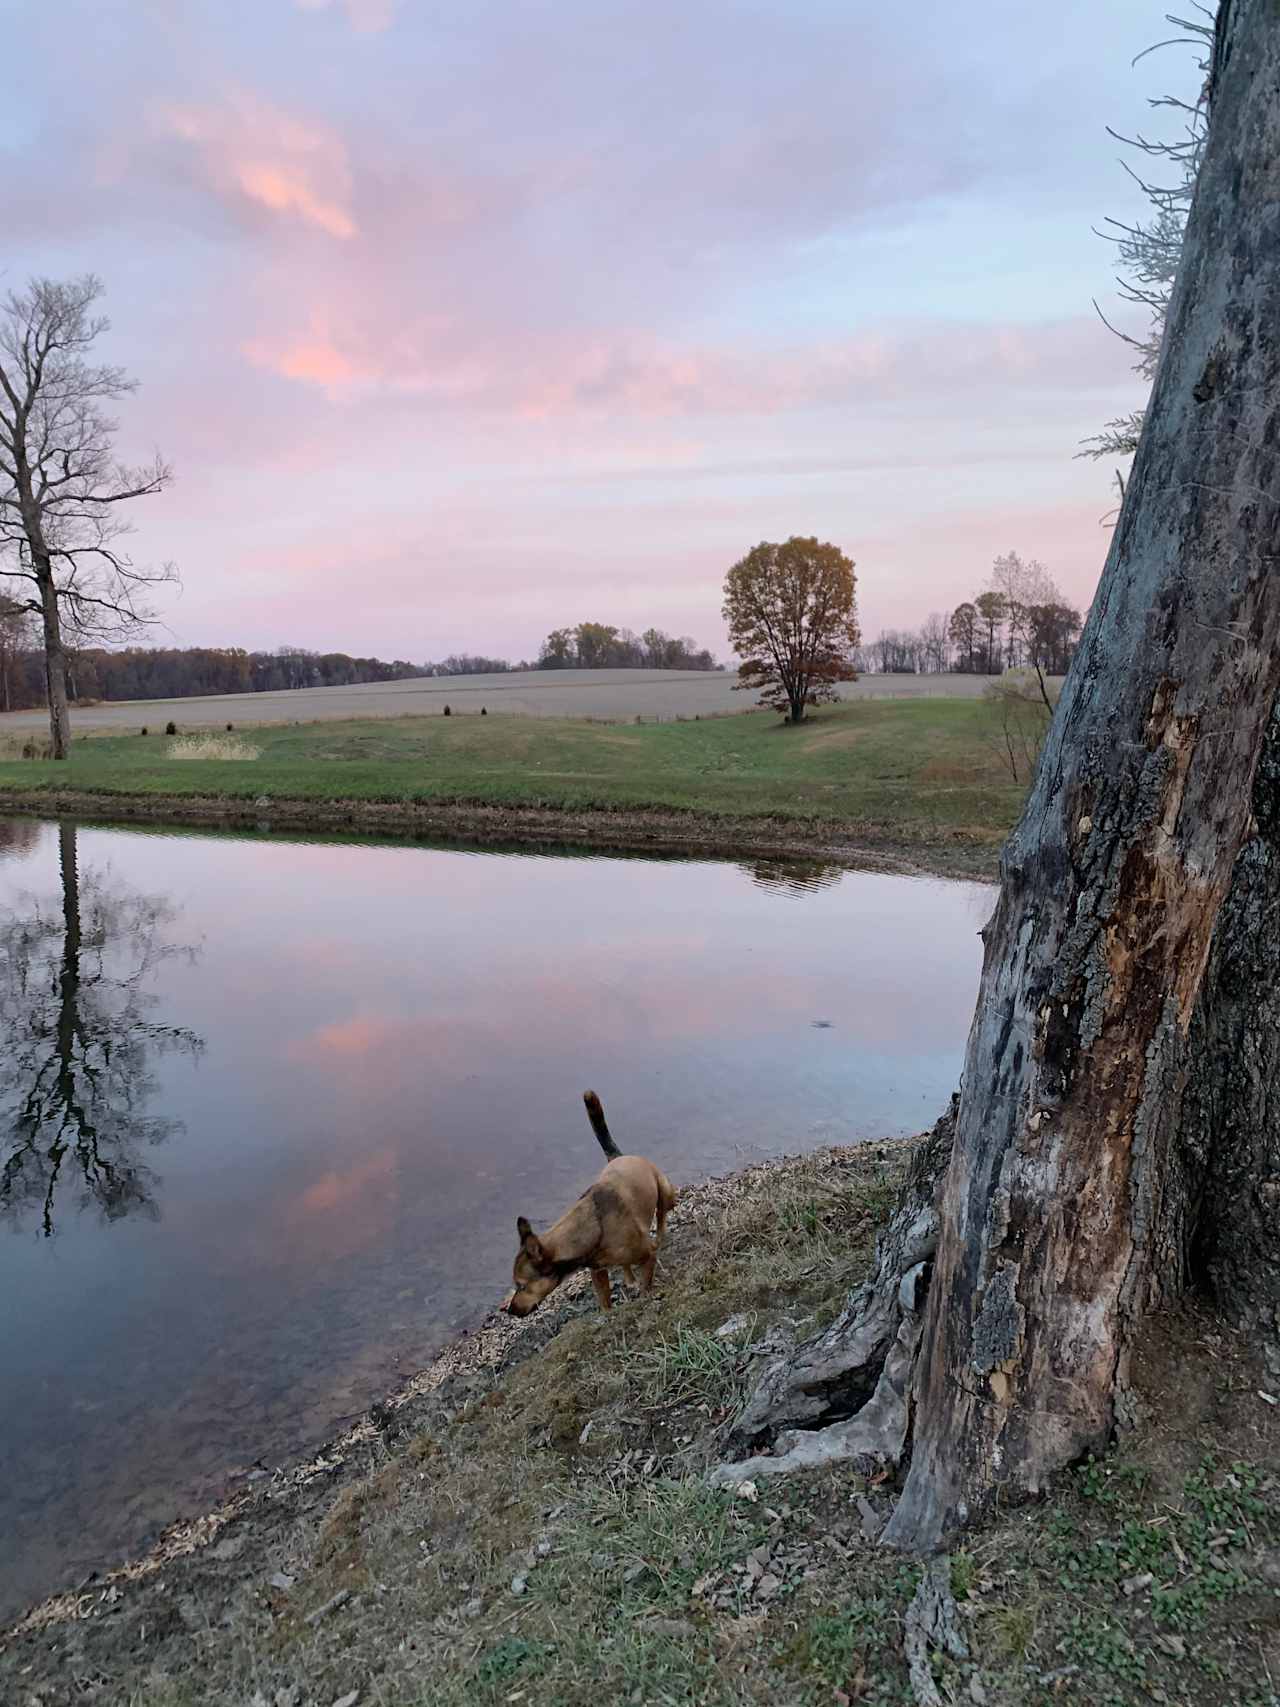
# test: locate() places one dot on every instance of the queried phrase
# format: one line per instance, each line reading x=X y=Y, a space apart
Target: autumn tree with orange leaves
x=793 y=621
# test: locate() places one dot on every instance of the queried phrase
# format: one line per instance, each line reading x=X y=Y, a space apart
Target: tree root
x=877 y=1435
x=855 y=1376
x=932 y=1623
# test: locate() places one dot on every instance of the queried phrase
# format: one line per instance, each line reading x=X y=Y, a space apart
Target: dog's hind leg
x=629 y=1273
x=646 y=1267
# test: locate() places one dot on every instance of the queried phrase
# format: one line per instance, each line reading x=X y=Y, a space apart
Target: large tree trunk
x=1230 y=1130
x=1068 y=1206
x=1061 y=1223
x=55 y=661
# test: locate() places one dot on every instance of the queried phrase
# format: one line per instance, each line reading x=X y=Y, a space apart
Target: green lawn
x=917 y=769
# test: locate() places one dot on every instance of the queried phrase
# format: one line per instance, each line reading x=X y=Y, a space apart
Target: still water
x=269 y=1109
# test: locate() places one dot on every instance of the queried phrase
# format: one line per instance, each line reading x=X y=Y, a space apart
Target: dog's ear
x=531 y=1244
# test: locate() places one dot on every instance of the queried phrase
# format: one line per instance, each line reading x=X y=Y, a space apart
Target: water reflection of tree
x=76 y=1041
x=793 y=876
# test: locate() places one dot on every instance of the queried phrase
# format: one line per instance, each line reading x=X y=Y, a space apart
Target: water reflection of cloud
x=338 y=1188
x=656 y=1003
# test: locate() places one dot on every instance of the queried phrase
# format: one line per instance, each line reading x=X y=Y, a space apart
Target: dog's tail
x=599 y=1125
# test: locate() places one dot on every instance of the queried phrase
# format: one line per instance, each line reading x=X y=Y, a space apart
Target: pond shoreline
x=266 y=1502
x=634 y=831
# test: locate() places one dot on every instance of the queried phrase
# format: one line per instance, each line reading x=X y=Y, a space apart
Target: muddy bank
x=858 y=846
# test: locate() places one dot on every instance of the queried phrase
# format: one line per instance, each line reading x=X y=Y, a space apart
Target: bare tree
x=962 y=631
x=1086 y=1173
x=60 y=489
x=935 y=642
x=991 y=614
x=1016 y=711
x=15 y=638
x=1149 y=251
x=80 y=1038
x=1022 y=583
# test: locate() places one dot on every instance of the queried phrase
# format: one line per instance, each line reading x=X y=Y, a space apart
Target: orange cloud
x=250 y=151
x=352 y=1037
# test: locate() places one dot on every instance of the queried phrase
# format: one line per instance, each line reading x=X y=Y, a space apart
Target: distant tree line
x=1021 y=619
x=94 y=673
x=601 y=646
x=471 y=664
x=159 y=672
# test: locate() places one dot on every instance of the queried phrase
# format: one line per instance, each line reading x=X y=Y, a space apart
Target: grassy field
x=538 y=1527
x=897 y=770
x=654 y=694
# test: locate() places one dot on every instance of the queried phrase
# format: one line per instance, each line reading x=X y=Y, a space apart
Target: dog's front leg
x=600 y=1280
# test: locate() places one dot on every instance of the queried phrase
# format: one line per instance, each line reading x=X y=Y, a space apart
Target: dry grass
x=536 y=1528
x=607 y=695
x=219 y=747
x=15 y=745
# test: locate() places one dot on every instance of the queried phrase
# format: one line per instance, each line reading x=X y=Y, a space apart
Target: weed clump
x=211 y=747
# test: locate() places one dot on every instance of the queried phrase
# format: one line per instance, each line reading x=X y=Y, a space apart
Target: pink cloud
x=249 y=151
x=339 y=1187
x=436 y=357
x=367 y=16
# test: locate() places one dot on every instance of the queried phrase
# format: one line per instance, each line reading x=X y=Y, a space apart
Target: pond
x=269 y=1109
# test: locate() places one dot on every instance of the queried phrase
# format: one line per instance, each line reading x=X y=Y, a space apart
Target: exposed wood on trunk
x=1056 y=1228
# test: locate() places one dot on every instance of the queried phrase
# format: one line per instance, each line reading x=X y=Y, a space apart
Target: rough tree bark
x=55 y=663
x=1088 y=1171
x=1230 y=1126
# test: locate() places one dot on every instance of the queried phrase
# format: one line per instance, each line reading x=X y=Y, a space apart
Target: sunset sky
x=463 y=321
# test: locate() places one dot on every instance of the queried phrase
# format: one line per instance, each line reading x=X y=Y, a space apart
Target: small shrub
x=211 y=747
x=448 y=712
x=230 y=727
x=483 y=712
x=1016 y=714
x=171 y=728
x=34 y=747
x=143 y=730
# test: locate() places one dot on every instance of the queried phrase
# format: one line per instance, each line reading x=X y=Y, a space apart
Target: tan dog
x=608 y=1227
